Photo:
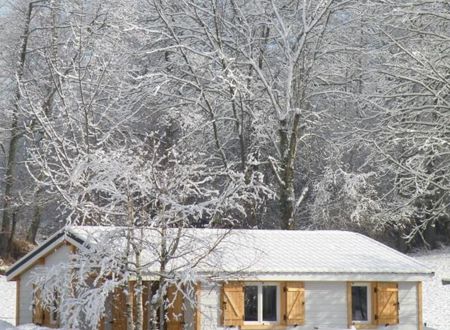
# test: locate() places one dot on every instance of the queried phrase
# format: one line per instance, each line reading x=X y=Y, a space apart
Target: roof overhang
x=59 y=238
x=335 y=277
x=66 y=236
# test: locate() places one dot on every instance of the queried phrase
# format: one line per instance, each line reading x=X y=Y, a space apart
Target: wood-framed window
x=372 y=304
x=261 y=303
x=361 y=302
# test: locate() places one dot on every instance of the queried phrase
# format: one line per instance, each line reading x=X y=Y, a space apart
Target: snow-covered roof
x=271 y=254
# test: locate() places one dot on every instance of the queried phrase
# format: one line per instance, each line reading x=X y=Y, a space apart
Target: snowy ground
x=436 y=297
x=7 y=301
x=7 y=326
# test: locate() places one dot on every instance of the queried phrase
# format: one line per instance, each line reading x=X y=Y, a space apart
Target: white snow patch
x=7 y=326
x=7 y=302
x=436 y=296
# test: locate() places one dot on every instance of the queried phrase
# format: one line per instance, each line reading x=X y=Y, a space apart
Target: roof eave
x=329 y=276
x=30 y=258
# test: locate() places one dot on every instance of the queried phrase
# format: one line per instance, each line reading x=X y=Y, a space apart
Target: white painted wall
x=408 y=305
x=26 y=295
x=210 y=296
x=60 y=255
x=325 y=306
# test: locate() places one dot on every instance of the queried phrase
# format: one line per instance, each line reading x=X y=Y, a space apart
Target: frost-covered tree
x=265 y=77
x=411 y=106
x=29 y=32
x=112 y=154
x=148 y=200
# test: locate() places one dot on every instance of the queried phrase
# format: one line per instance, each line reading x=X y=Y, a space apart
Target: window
x=361 y=306
x=261 y=303
x=251 y=303
x=373 y=303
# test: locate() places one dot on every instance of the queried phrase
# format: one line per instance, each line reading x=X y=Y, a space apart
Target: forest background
x=288 y=114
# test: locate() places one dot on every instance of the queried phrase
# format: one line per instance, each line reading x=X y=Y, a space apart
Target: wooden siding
x=118 y=318
x=419 y=306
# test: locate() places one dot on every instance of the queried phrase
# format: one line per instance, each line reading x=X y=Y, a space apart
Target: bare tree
x=257 y=73
x=411 y=107
x=7 y=233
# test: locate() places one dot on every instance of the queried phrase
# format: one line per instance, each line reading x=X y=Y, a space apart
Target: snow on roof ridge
x=332 y=231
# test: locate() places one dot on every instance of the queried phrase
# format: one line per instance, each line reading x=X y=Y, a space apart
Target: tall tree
x=412 y=107
x=6 y=233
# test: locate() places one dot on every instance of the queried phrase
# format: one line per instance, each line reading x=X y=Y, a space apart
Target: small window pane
x=359 y=303
x=269 y=303
x=251 y=303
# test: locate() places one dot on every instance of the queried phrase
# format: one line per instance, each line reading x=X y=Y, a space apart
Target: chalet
x=274 y=280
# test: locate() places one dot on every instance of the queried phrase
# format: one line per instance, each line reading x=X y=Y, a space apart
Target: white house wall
x=325 y=307
x=210 y=296
x=25 y=297
x=408 y=306
x=60 y=255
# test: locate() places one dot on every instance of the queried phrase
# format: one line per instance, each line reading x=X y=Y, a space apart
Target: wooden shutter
x=38 y=311
x=294 y=296
x=119 y=309
x=386 y=303
x=197 y=312
x=233 y=304
x=175 y=315
x=146 y=297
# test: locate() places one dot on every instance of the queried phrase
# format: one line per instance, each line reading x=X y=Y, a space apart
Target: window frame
x=370 y=313
x=260 y=286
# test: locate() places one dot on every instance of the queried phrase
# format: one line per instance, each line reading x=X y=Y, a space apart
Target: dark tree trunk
x=35 y=223
x=6 y=233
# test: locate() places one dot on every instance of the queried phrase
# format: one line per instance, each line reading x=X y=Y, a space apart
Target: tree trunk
x=288 y=149
x=130 y=238
x=35 y=221
x=162 y=280
x=154 y=302
x=13 y=143
x=162 y=308
x=129 y=307
x=138 y=291
x=13 y=230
